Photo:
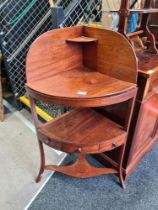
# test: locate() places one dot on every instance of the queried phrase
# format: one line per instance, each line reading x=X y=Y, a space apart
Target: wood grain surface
x=80 y=83
x=85 y=130
x=82 y=67
x=60 y=70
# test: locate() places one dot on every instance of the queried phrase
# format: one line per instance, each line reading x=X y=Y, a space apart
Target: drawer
x=89 y=149
x=57 y=145
x=104 y=147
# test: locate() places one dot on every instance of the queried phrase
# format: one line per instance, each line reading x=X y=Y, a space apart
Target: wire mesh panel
x=83 y=11
x=21 y=22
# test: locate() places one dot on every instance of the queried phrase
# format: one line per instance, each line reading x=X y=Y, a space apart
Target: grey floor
x=101 y=193
x=19 y=158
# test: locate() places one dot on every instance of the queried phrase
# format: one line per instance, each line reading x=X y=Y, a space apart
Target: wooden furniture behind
x=143 y=29
x=154 y=22
x=81 y=68
x=1 y=97
x=143 y=132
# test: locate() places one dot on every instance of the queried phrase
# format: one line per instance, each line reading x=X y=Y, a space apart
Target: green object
x=14 y=20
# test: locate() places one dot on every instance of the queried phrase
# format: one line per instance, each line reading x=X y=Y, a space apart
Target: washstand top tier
x=81 y=66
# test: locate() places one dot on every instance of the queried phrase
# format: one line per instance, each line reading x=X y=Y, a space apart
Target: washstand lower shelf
x=85 y=130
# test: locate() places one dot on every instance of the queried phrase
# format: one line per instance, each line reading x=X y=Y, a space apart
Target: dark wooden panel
x=145 y=125
x=154 y=21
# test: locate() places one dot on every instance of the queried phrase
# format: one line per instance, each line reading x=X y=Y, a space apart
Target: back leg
x=42 y=159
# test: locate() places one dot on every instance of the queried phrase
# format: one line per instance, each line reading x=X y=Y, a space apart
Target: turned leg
x=42 y=159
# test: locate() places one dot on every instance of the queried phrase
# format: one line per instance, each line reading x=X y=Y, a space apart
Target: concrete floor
x=19 y=157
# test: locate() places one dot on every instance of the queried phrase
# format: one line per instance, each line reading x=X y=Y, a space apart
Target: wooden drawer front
x=153 y=84
x=107 y=146
x=89 y=149
x=147 y=124
x=57 y=145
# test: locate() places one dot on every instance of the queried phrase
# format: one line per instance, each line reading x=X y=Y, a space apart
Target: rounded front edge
x=89 y=102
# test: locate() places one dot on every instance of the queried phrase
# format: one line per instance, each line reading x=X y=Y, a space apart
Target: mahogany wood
x=66 y=74
x=41 y=65
x=93 y=102
x=154 y=22
x=82 y=84
x=145 y=12
x=143 y=131
x=50 y=54
x=147 y=121
x=82 y=169
x=135 y=33
x=111 y=59
x=83 y=130
x=145 y=26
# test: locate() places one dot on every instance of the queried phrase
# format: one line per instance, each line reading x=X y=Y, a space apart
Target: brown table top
x=80 y=83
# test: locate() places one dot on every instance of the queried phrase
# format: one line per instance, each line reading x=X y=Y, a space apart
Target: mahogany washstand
x=85 y=68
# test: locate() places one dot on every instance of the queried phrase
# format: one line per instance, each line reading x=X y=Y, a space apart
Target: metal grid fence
x=21 y=22
x=83 y=11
